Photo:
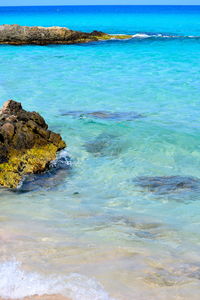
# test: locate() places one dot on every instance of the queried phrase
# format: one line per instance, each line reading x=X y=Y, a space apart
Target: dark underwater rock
x=105 y=144
x=164 y=278
x=167 y=184
x=24 y=35
x=105 y=115
x=26 y=144
x=52 y=178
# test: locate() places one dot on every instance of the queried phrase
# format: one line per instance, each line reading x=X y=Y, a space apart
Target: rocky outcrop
x=26 y=144
x=24 y=35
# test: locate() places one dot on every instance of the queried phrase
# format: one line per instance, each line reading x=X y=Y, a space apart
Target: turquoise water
x=96 y=231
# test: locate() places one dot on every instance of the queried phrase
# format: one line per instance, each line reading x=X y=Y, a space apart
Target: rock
x=23 y=35
x=167 y=184
x=106 y=115
x=26 y=144
x=105 y=144
x=51 y=179
x=117 y=116
x=164 y=278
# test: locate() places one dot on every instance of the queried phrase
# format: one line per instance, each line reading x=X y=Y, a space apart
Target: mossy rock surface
x=26 y=144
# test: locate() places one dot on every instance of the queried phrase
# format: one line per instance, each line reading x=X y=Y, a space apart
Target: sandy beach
x=44 y=297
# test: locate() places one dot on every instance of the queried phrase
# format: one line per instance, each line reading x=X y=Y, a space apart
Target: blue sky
x=97 y=2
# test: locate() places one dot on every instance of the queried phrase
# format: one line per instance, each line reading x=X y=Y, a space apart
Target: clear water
x=90 y=232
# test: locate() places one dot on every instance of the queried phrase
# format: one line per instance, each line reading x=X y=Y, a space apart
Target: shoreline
x=43 y=297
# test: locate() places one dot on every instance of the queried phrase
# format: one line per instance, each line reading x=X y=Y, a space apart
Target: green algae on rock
x=38 y=35
x=26 y=144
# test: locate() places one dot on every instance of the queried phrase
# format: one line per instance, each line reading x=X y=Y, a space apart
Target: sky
x=97 y=2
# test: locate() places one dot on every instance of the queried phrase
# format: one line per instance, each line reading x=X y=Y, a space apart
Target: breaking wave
x=144 y=35
x=16 y=283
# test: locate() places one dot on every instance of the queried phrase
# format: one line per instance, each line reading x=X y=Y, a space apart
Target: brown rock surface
x=22 y=35
x=26 y=144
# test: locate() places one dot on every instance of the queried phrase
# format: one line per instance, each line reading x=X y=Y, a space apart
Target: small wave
x=62 y=160
x=144 y=35
x=156 y=35
x=16 y=283
x=162 y=36
x=141 y=35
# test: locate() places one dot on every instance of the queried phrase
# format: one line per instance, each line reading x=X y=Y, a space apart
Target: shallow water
x=89 y=232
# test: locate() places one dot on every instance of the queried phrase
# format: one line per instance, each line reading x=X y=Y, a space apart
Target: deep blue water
x=127 y=213
x=129 y=19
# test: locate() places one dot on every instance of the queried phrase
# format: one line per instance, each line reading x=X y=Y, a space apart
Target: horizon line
x=44 y=5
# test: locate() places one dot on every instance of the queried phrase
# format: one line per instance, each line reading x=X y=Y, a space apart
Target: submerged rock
x=26 y=144
x=23 y=35
x=167 y=184
x=105 y=144
x=106 y=115
x=164 y=278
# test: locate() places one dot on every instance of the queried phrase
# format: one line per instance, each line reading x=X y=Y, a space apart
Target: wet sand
x=44 y=297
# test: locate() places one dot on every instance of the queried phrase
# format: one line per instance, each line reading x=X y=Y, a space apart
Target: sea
x=117 y=216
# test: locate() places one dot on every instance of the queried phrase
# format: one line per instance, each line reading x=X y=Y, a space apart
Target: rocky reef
x=167 y=184
x=25 y=35
x=26 y=144
x=105 y=115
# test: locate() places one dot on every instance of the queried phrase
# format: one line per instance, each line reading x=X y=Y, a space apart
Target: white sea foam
x=141 y=35
x=16 y=283
x=156 y=35
x=62 y=160
x=159 y=35
x=194 y=36
x=146 y=36
x=83 y=288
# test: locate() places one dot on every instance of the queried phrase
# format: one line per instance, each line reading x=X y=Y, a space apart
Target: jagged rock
x=23 y=35
x=26 y=144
